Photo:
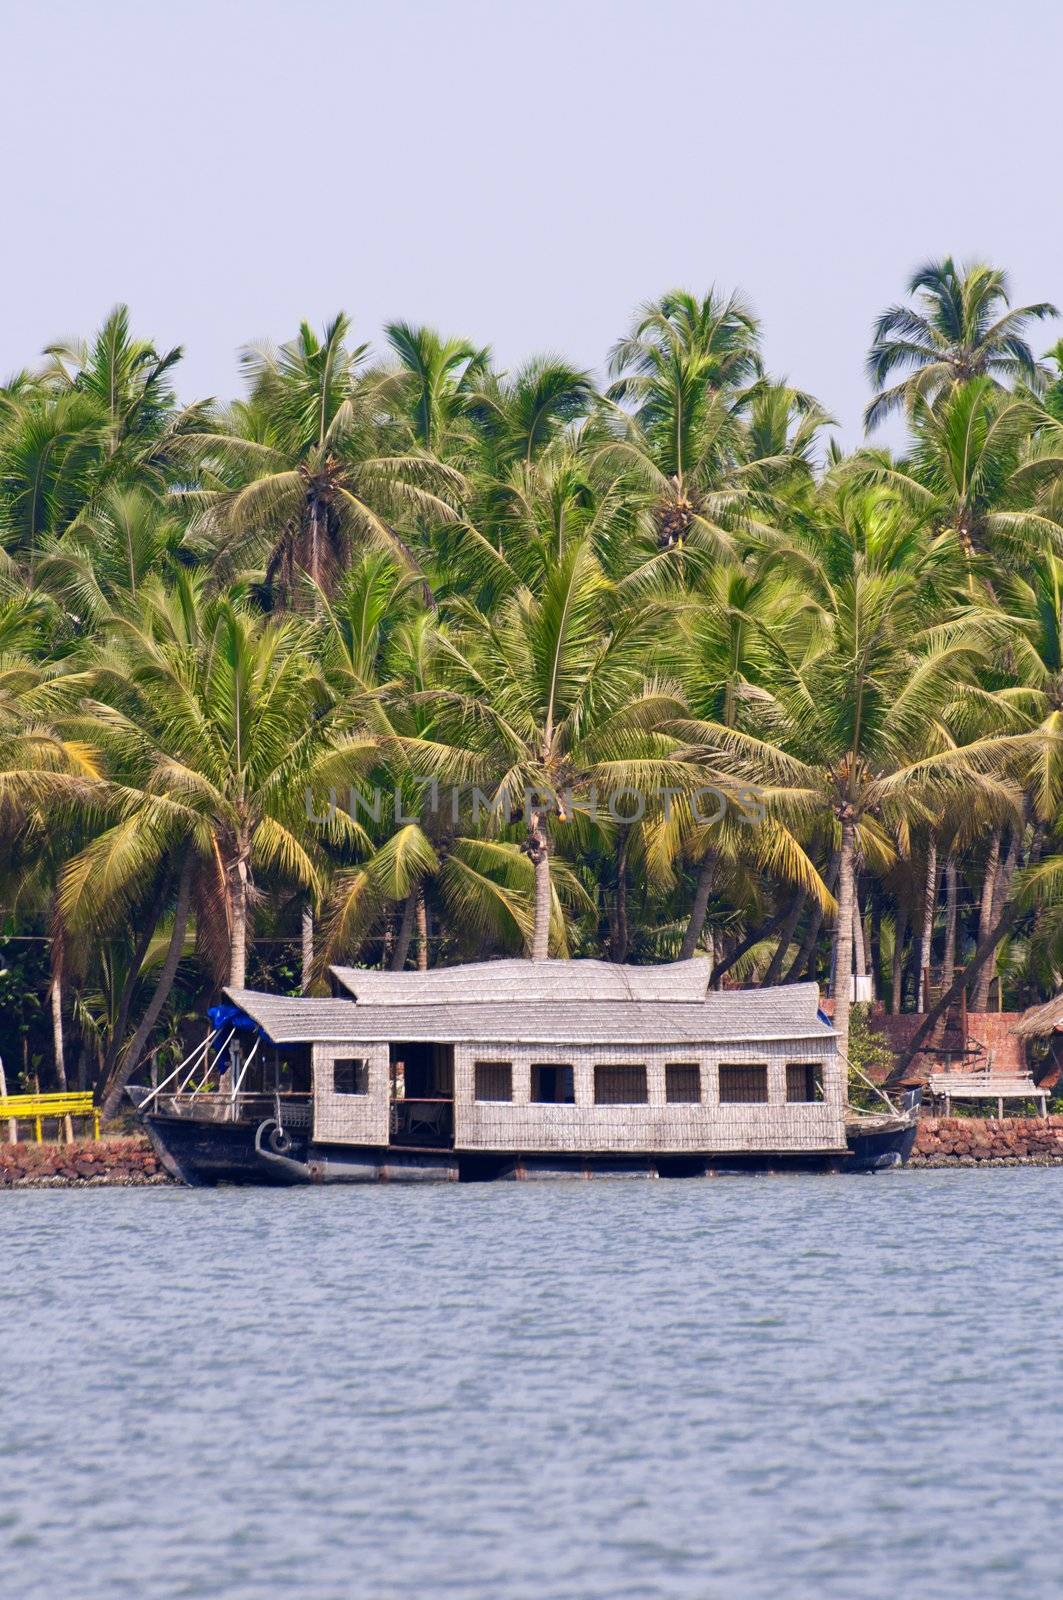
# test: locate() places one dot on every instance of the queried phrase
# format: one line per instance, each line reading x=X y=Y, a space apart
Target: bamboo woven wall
x=352 y=1118
x=521 y=1126
x=656 y=1127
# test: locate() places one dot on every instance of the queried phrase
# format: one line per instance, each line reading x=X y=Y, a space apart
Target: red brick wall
x=987 y=1139
x=991 y=1030
x=121 y=1160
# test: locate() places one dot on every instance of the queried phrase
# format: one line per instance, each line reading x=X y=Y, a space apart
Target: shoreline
x=128 y=1161
x=119 y=1161
x=117 y=1180
x=941 y=1163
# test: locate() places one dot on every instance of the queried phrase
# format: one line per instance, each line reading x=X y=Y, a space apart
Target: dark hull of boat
x=880 y=1149
x=201 y=1153
x=209 y=1152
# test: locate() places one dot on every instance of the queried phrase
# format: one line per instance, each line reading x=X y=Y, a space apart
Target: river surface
x=743 y=1387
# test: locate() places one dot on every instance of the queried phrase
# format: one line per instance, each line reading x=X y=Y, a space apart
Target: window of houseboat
x=682 y=1083
x=553 y=1085
x=804 y=1081
x=494 y=1080
x=744 y=1085
x=350 y=1076
x=620 y=1086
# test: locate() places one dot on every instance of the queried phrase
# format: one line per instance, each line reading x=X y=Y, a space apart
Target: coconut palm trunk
x=998 y=890
x=422 y=933
x=12 y=1126
x=147 y=923
x=56 y=999
x=537 y=847
x=926 y=941
x=793 y=917
x=859 y=944
x=699 y=910
x=315 y=550
x=1002 y=887
x=237 y=888
x=948 y=964
x=112 y=1091
x=307 y=946
x=847 y=942
x=900 y=933
x=804 y=962
x=843 y=974
x=621 y=934
x=406 y=926
x=985 y=917
x=997 y=931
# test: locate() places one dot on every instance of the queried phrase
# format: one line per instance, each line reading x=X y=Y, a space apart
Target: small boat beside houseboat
x=508 y=1069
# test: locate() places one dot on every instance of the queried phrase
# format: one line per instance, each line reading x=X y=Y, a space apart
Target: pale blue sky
x=522 y=174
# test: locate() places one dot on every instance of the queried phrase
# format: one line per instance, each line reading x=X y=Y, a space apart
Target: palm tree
x=375 y=649
x=308 y=470
x=433 y=385
x=143 y=430
x=534 y=513
x=512 y=582
x=680 y=345
x=484 y=890
x=859 y=704
x=50 y=449
x=127 y=378
x=962 y=326
x=106 y=556
x=38 y=824
x=1019 y=718
x=224 y=744
x=548 y=704
x=207 y=746
x=99 y=414
x=1029 y=689
x=1052 y=398
x=679 y=372
x=723 y=654
x=517 y=416
x=784 y=428
x=983 y=468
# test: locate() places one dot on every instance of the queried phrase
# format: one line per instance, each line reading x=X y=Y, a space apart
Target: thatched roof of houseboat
x=298 y=1020
x=790 y=1012
x=1041 y=1020
x=528 y=981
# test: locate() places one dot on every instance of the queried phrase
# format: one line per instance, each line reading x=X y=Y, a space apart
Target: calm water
x=735 y=1388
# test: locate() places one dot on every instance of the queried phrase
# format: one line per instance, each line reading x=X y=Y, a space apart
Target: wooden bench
x=15 y=1107
x=949 y=1086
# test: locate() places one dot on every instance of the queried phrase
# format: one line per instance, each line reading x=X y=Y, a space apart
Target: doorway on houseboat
x=422 y=1096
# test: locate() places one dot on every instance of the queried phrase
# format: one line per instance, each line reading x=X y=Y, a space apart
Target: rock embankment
x=977 y=1141
x=117 y=1162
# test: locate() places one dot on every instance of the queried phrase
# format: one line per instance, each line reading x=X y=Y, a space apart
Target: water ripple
x=831 y=1389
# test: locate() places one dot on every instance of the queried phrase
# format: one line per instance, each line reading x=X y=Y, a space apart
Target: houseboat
x=507 y=1069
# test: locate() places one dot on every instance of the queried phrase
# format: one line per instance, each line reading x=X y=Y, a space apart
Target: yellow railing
x=14 y=1107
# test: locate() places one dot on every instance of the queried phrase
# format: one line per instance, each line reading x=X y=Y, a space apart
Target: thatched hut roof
x=529 y=982
x=790 y=1012
x=1041 y=1020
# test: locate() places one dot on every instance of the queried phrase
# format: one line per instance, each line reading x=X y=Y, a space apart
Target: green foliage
x=870 y=1057
x=962 y=326
x=413 y=569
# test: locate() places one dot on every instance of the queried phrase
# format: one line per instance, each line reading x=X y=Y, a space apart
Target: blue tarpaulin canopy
x=226 y=1015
